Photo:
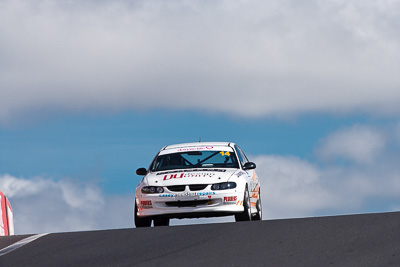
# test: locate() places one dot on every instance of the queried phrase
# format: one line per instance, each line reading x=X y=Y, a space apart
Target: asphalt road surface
x=352 y=240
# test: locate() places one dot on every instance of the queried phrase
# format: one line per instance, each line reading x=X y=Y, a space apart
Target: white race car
x=195 y=180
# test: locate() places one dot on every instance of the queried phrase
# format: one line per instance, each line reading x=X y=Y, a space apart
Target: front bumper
x=190 y=204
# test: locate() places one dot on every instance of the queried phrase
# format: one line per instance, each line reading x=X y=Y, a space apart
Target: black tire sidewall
x=141 y=222
x=258 y=215
x=246 y=214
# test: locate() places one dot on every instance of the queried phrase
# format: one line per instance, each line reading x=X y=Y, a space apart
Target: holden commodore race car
x=194 y=180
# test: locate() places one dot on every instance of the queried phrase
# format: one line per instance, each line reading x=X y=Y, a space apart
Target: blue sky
x=91 y=91
x=110 y=147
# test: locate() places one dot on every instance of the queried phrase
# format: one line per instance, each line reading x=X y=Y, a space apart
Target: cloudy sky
x=90 y=90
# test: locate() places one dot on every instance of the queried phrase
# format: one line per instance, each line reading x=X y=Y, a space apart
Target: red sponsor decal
x=209 y=197
x=146 y=203
x=229 y=199
x=187 y=175
x=172 y=176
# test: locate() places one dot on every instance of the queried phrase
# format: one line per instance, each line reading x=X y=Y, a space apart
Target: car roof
x=198 y=144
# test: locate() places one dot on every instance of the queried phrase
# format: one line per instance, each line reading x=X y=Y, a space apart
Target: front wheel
x=258 y=215
x=141 y=222
x=246 y=214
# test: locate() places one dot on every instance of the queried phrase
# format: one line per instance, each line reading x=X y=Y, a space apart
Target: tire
x=258 y=215
x=246 y=214
x=141 y=222
x=161 y=221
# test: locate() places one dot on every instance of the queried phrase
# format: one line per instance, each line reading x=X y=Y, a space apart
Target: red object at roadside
x=6 y=217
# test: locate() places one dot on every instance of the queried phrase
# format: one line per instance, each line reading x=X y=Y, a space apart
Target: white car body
x=188 y=191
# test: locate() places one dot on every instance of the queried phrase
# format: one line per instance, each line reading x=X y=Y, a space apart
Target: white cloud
x=361 y=144
x=44 y=205
x=269 y=57
x=72 y=194
x=11 y=186
x=292 y=187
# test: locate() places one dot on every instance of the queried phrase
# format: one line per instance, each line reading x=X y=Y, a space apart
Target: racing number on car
x=225 y=153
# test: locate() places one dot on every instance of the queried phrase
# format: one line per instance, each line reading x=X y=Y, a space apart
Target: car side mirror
x=141 y=171
x=249 y=166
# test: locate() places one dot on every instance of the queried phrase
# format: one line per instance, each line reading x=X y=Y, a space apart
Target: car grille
x=197 y=187
x=192 y=187
x=176 y=188
x=193 y=203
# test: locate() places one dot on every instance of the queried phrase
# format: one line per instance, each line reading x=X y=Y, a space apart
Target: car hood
x=191 y=176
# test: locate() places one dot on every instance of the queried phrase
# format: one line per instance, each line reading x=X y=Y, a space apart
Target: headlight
x=223 y=186
x=152 y=190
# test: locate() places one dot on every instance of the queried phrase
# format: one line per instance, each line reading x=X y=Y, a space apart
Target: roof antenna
x=199 y=139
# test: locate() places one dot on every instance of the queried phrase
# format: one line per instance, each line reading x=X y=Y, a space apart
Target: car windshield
x=195 y=159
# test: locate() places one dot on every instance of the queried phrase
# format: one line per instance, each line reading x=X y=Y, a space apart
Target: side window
x=242 y=157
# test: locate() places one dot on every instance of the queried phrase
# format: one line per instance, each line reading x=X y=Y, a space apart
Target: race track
x=352 y=240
